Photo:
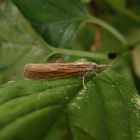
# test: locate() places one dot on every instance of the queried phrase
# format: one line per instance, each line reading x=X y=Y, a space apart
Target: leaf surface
x=19 y=43
x=50 y=10
x=63 y=110
x=56 y=21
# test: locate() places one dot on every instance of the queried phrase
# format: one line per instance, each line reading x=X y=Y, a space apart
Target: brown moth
x=58 y=70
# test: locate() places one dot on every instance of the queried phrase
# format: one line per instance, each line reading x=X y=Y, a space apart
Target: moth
x=59 y=70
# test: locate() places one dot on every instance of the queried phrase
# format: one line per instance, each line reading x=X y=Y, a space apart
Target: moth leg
x=83 y=80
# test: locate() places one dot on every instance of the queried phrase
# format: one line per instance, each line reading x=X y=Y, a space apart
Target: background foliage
x=42 y=31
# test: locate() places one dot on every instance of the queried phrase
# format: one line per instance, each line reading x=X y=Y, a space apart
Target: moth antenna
x=102 y=66
x=102 y=77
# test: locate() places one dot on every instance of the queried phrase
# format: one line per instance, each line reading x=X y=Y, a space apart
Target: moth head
x=101 y=67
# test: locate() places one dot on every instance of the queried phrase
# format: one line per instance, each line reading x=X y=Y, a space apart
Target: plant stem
x=80 y=53
x=98 y=38
x=107 y=27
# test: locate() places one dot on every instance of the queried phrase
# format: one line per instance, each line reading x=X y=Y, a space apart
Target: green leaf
x=50 y=10
x=56 y=21
x=59 y=34
x=15 y=28
x=19 y=43
x=63 y=110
